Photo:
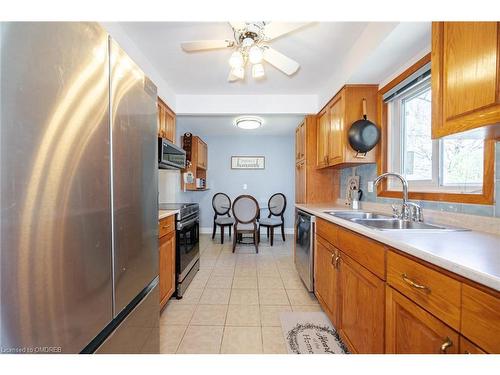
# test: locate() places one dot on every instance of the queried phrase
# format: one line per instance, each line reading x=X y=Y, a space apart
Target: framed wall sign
x=248 y=162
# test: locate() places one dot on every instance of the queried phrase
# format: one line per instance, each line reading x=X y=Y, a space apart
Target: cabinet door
x=300 y=182
x=465 y=81
x=336 y=141
x=412 y=330
x=322 y=140
x=467 y=347
x=167 y=267
x=201 y=154
x=300 y=142
x=161 y=120
x=361 y=319
x=326 y=278
x=169 y=125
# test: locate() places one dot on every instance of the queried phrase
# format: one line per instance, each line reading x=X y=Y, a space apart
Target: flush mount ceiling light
x=248 y=122
x=251 y=47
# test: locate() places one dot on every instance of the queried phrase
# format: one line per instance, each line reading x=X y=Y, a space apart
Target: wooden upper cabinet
x=412 y=330
x=166 y=121
x=335 y=120
x=335 y=138
x=202 y=158
x=465 y=77
x=300 y=142
x=312 y=185
x=326 y=278
x=323 y=138
x=361 y=318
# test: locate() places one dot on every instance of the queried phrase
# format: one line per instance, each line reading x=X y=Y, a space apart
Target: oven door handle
x=181 y=225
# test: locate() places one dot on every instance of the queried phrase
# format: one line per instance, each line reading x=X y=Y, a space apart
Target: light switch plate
x=245 y=186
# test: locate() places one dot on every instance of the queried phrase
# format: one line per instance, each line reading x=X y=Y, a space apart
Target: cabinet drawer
x=435 y=292
x=481 y=318
x=368 y=253
x=166 y=226
x=327 y=230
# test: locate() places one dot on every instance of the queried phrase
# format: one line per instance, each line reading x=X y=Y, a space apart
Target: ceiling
x=319 y=47
x=224 y=125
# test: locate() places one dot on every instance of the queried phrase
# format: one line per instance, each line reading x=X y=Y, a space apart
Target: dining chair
x=245 y=212
x=222 y=218
x=276 y=206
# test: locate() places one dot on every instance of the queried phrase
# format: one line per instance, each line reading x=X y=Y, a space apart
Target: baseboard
x=208 y=230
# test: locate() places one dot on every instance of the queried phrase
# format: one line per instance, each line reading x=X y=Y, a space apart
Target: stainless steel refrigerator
x=79 y=211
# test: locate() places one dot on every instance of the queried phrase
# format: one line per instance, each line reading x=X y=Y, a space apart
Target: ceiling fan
x=251 y=45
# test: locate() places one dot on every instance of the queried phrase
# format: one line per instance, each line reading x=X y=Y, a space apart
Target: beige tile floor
x=234 y=302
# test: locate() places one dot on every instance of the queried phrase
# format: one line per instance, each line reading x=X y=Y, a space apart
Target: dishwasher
x=304 y=247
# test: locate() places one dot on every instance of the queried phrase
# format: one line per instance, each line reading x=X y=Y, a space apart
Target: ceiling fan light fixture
x=236 y=60
x=238 y=72
x=248 y=122
x=255 y=54
x=258 y=71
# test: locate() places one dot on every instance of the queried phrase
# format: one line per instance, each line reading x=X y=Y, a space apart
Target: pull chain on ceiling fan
x=251 y=44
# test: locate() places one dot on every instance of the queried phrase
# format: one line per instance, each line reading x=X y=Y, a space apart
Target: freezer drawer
x=139 y=332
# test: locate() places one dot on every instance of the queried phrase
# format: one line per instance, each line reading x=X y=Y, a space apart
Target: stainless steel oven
x=304 y=247
x=170 y=156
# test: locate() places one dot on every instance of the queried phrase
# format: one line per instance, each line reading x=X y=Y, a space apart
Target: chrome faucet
x=409 y=210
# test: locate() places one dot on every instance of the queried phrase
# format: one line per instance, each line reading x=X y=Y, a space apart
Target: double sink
x=385 y=222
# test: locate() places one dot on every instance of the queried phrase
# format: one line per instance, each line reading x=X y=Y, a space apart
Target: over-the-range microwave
x=170 y=156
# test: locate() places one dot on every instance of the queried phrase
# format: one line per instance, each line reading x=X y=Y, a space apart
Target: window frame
x=485 y=197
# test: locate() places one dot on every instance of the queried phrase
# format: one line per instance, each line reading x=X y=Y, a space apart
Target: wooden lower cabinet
x=467 y=347
x=326 y=278
x=412 y=330
x=166 y=261
x=361 y=318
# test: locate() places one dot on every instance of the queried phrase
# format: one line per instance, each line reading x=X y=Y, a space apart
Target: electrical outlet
x=245 y=186
x=370 y=186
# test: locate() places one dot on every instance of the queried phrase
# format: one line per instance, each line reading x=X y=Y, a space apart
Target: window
x=454 y=169
x=452 y=165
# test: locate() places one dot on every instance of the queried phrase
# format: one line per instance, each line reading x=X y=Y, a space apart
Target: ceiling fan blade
x=237 y=25
x=202 y=45
x=274 y=30
x=280 y=61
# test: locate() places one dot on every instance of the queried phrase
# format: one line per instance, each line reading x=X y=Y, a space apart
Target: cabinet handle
x=446 y=344
x=166 y=226
x=412 y=283
x=337 y=261
x=331 y=260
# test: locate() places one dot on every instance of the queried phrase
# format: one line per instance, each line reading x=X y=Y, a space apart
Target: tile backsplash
x=368 y=172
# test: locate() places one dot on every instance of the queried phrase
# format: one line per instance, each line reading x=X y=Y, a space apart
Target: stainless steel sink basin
x=396 y=224
x=348 y=215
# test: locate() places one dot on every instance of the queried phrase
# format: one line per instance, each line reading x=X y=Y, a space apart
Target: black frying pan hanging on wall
x=363 y=134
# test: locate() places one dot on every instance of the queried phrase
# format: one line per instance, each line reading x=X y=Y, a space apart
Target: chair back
x=221 y=204
x=245 y=209
x=277 y=204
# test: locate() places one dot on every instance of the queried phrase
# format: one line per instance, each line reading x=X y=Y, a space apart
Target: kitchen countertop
x=473 y=255
x=166 y=213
